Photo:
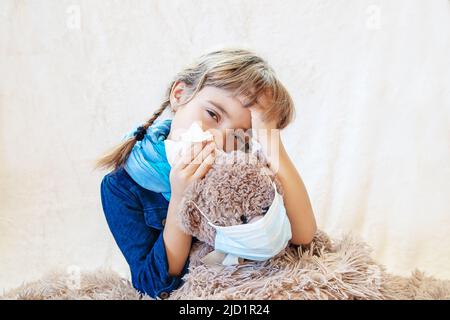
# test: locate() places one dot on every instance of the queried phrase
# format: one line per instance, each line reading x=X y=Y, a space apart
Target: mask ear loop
x=201 y=212
x=272 y=182
x=276 y=194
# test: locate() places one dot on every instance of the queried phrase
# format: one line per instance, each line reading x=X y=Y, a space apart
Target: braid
x=140 y=132
x=119 y=155
x=155 y=115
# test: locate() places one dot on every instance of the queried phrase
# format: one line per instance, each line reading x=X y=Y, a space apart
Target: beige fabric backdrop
x=370 y=80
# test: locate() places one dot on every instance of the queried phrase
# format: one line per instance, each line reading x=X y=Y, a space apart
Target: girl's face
x=214 y=109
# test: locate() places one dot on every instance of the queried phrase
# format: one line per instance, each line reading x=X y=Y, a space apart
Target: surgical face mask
x=259 y=240
x=174 y=148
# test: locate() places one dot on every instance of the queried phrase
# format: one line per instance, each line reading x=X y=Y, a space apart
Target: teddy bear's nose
x=244 y=219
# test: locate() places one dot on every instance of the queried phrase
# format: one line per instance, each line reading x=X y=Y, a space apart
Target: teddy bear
x=238 y=189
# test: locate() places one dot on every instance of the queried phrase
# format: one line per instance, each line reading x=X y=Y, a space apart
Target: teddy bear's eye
x=244 y=219
x=265 y=209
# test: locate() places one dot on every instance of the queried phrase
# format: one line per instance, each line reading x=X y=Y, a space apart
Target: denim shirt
x=136 y=217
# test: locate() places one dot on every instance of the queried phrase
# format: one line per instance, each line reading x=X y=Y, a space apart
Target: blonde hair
x=238 y=70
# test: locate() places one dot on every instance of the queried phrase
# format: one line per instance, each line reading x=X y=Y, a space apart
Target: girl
x=226 y=89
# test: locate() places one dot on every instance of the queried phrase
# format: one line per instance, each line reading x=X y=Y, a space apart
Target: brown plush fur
x=324 y=269
x=338 y=269
x=240 y=184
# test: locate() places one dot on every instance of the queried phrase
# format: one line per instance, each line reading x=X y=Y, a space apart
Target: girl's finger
x=192 y=167
x=189 y=154
x=203 y=169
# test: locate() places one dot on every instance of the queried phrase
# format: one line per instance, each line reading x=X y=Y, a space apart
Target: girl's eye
x=212 y=114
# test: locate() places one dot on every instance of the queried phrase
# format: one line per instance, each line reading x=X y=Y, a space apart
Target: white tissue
x=195 y=134
x=174 y=148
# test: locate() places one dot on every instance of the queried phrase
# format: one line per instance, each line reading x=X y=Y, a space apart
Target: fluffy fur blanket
x=339 y=269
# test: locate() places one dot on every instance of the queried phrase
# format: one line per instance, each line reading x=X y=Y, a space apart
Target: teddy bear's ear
x=270 y=176
x=192 y=222
x=278 y=185
x=189 y=217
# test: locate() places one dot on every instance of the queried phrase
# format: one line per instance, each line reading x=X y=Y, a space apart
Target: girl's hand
x=257 y=121
x=193 y=165
x=267 y=135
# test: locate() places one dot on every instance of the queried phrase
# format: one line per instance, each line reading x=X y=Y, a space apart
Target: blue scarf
x=147 y=163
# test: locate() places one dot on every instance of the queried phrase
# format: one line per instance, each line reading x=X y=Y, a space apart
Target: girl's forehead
x=210 y=91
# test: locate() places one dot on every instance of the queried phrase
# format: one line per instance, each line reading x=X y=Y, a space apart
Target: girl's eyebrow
x=220 y=107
